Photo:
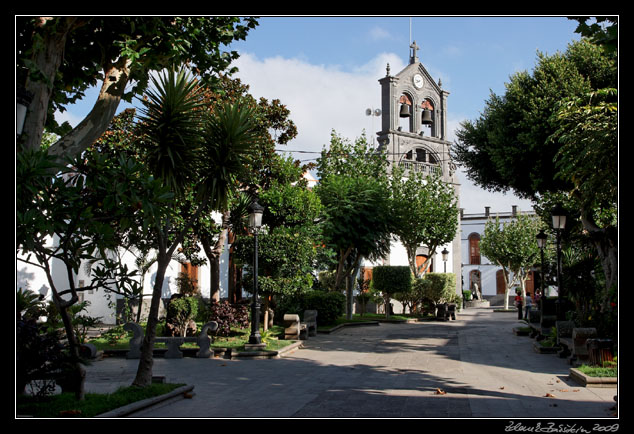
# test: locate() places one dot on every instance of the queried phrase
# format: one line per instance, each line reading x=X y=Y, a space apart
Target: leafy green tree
x=199 y=156
x=513 y=246
x=588 y=161
x=82 y=209
x=59 y=58
x=554 y=131
x=356 y=224
x=425 y=212
x=289 y=243
x=273 y=127
x=354 y=190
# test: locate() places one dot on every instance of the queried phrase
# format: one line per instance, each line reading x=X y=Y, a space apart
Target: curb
x=349 y=324
x=266 y=354
x=588 y=381
x=139 y=405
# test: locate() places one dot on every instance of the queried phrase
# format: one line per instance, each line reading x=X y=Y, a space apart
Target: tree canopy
x=553 y=133
x=59 y=58
x=511 y=145
x=425 y=212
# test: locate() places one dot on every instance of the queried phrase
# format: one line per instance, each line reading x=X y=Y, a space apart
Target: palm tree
x=198 y=154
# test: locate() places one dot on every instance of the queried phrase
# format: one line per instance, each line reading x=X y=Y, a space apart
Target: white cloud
x=378 y=33
x=320 y=97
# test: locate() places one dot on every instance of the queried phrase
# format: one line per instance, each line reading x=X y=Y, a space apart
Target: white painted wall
x=102 y=302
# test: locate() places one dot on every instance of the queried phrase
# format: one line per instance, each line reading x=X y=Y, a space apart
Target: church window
x=474 y=249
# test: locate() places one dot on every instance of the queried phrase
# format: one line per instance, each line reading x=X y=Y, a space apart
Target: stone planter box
x=588 y=381
x=539 y=348
x=477 y=303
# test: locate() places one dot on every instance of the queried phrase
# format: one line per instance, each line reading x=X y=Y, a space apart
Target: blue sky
x=326 y=70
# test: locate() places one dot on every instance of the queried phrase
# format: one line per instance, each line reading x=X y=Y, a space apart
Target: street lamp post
x=541 y=243
x=445 y=255
x=559 y=223
x=255 y=223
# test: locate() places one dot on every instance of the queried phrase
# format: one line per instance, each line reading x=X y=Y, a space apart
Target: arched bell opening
x=427 y=118
x=406 y=113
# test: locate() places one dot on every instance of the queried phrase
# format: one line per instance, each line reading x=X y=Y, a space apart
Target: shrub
x=228 y=315
x=391 y=280
x=39 y=356
x=180 y=311
x=329 y=305
x=326 y=280
x=438 y=287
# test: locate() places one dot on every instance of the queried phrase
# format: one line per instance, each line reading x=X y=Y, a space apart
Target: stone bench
x=542 y=327
x=173 y=342
x=580 y=336
x=446 y=311
x=451 y=311
x=564 y=337
x=310 y=319
x=293 y=328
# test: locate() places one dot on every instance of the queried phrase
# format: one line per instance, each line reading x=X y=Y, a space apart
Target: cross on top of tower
x=414 y=56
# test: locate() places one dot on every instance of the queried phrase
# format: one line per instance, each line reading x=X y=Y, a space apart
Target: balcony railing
x=417 y=166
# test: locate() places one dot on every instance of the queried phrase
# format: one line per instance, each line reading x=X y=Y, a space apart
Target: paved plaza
x=474 y=367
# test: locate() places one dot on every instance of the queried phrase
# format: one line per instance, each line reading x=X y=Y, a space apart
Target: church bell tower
x=414 y=133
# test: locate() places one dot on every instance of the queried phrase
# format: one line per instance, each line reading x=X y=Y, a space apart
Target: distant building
x=478 y=269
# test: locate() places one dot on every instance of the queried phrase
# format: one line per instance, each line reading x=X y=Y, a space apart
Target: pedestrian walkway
x=474 y=367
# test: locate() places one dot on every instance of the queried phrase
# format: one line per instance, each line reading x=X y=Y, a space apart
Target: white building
x=105 y=304
x=478 y=269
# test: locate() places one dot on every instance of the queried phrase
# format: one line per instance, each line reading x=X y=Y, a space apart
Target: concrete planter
x=587 y=381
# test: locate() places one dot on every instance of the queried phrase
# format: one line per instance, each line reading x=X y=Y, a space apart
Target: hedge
x=390 y=279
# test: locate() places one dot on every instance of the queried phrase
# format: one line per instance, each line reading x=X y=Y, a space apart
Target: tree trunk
x=99 y=118
x=213 y=254
x=349 y=276
x=144 y=371
x=76 y=378
x=47 y=61
x=265 y=323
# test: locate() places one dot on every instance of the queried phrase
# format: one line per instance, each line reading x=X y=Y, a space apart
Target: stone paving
x=474 y=367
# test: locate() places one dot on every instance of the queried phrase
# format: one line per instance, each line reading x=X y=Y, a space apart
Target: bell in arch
x=427 y=120
x=404 y=111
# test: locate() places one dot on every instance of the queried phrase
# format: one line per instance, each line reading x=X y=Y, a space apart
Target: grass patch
x=371 y=317
x=65 y=404
x=236 y=340
x=609 y=369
